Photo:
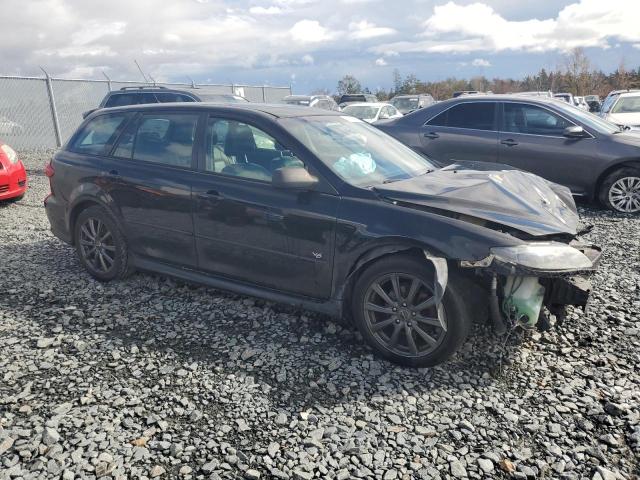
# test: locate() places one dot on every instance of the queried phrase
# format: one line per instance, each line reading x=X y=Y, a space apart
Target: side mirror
x=293 y=178
x=574 y=131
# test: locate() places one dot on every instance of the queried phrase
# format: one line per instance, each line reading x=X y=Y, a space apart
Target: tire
x=410 y=321
x=111 y=245
x=620 y=190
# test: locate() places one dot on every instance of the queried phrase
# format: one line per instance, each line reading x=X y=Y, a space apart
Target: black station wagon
x=320 y=210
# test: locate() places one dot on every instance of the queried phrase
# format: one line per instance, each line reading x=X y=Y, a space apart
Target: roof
x=500 y=97
x=275 y=110
x=412 y=95
x=368 y=104
x=633 y=93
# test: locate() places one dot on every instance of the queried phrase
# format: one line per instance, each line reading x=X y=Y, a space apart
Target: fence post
x=264 y=95
x=108 y=81
x=52 y=105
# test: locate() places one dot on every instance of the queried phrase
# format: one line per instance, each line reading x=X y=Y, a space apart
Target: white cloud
x=363 y=30
x=272 y=10
x=380 y=62
x=474 y=27
x=307 y=59
x=310 y=31
x=95 y=30
x=480 y=62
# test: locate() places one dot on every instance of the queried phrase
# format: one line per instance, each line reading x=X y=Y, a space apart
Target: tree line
x=576 y=75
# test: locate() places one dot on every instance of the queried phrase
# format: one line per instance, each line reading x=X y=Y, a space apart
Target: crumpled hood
x=493 y=192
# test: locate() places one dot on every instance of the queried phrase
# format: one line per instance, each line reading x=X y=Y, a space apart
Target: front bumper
x=519 y=292
x=13 y=181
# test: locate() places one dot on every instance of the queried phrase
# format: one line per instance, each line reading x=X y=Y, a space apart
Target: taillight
x=49 y=170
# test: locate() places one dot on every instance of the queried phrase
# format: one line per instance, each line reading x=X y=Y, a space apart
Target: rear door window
x=164 y=138
x=97 y=134
x=472 y=115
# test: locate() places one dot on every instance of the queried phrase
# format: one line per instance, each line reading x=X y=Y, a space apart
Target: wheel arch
x=80 y=205
x=372 y=254
x=632 y=163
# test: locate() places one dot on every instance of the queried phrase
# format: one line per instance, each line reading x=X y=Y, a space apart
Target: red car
x=13 y=176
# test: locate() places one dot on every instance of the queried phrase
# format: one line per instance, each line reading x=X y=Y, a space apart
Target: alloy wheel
x=624 y=195
x=401 y=313
x=97 y=245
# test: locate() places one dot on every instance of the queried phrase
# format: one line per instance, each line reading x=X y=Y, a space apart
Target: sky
x=311 y=44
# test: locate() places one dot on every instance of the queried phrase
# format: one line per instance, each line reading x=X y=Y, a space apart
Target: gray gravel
x=153 y=378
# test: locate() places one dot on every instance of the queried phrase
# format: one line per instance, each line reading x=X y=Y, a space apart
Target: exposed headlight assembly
x=543 y=256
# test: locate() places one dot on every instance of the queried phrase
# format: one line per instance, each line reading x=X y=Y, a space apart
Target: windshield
x=355 y=151
x=600 y=125
x=627 y=105
x=361 y=111
x=297 y=101
x=406 y=104
x=221 y=98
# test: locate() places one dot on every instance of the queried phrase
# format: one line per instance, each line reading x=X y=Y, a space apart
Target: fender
x=89 y=193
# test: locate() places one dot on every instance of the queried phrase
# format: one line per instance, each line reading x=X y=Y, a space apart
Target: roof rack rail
x=142 y=87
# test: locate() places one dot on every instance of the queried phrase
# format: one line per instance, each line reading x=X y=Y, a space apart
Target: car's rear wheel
x=100 y=244
x=620 y=191
x=394 y=309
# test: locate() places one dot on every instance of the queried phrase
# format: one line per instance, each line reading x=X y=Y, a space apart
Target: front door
x=250 y=231
x=531 y=138
x=466 y=131
x=149 y=178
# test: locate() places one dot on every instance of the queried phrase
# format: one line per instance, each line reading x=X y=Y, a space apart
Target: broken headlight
x=543 y=256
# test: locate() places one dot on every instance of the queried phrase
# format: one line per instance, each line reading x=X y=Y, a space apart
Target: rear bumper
x=56 y=213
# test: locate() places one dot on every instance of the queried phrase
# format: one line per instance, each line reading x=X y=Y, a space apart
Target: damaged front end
x=525 y=278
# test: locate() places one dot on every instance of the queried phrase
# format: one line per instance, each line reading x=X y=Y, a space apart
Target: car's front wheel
x=100 y=244
x=620 y=191
x=395 y=310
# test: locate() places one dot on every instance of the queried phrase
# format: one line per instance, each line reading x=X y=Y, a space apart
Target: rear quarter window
x=97 y=134
x=121 y=100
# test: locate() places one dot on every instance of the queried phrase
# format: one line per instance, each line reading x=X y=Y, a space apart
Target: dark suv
x=317 y=209
x=154 y=94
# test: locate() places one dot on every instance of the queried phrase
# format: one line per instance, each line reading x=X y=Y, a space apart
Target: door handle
x=209 y=195
x=431 y=135
x=509 y=142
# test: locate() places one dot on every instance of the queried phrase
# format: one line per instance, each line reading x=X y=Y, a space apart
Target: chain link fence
x=44 y=112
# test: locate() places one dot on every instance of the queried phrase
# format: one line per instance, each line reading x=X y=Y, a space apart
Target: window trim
x=544 y=107
x=137 y=119
x=495 y=118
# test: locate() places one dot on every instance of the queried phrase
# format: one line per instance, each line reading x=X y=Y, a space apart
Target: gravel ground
x=152 y=378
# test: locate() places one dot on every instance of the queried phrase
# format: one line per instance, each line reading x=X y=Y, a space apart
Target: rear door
x=149 y=177
x=465 y=131
x=531 y=138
